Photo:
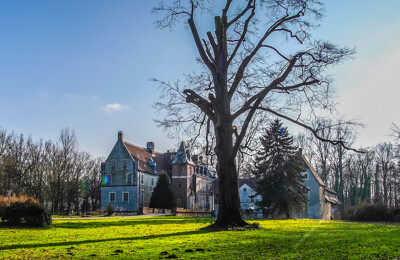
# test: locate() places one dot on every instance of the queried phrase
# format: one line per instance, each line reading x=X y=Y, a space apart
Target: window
x=152 y=181
x=141 y=196
x=112 y=197
x=305 y=176
x=129 y=178
x=179 y=202
x=179 y=185
x=244 y=189
x=107 y=179
x=112 y=164
x=125 y=163
x=125 y=197
x=141 y=178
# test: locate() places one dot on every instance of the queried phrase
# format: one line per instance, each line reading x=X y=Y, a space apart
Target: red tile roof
x=143 y=156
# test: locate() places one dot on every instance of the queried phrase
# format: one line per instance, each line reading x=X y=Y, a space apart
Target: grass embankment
x=162 y=237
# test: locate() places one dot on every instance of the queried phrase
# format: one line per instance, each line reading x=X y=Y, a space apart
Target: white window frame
x=123 y=199
x=109 y=197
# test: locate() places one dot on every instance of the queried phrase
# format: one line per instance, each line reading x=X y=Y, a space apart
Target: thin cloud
x=110 y=108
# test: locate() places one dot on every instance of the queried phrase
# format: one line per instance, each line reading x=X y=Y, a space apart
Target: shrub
x=377 y=212
x=395 y=215
x=15 y=198
x=371 y=212
x=26 y=213
x=110 y=210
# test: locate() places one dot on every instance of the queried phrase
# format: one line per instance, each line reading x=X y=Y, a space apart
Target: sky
x=88 y=65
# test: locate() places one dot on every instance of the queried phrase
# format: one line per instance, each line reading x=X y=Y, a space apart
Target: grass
x=162 y=237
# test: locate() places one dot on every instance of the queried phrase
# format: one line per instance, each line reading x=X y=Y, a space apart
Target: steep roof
x=313 y=171
x=182 y=155
x=146 y=159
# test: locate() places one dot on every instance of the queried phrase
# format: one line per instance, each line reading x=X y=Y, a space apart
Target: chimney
x=120 y=136
x=150 y=147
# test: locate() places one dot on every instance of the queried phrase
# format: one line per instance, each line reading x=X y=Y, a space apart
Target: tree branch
x=200 y=47
x=313 y=131
x=246 y=61
x=243 y=35
x=203 y=104
x=261 y=95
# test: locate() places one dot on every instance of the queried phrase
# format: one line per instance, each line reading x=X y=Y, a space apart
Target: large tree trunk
x=229 y=202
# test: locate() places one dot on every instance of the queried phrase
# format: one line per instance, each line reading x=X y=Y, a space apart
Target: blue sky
x=87 y=65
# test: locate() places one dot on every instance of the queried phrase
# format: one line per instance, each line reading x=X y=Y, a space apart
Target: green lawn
x=162 y=237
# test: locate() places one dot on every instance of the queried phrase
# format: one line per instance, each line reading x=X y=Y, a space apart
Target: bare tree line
x=56 y=173
x=368 y=177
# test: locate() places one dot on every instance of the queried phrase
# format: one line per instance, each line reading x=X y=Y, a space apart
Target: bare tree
x=261 y=61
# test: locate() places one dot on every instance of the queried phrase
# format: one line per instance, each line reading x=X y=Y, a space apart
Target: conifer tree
x=278 y=168
x=163 y=197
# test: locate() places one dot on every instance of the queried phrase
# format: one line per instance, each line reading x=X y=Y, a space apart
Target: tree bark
x=229 y=202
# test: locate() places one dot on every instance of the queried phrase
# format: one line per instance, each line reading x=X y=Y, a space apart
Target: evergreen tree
x=278 y=168
x=163 y=197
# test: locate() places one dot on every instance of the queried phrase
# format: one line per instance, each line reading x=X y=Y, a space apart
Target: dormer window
x=153 y=165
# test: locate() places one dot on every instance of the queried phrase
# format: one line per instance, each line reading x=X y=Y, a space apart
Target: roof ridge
x=143 y=148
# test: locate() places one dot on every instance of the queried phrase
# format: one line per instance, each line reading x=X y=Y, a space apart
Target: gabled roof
x=249 y=182
x=313 y=171
x=146 y=159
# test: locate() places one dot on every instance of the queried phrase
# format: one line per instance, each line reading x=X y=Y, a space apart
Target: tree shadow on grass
x=81 y=224
x=73 y=243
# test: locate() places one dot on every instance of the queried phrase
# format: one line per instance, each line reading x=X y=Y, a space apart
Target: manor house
x=130 y=174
